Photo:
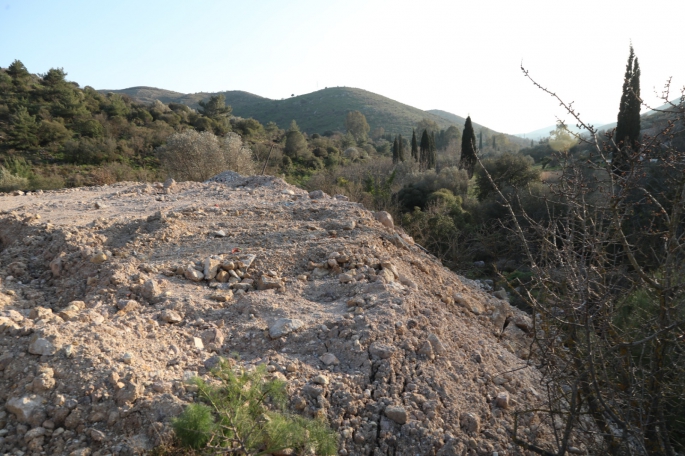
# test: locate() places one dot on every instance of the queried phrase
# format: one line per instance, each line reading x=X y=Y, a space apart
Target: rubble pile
x=113 y=297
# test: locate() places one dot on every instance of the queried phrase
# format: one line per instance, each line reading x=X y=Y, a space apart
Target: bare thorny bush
x=607 y=292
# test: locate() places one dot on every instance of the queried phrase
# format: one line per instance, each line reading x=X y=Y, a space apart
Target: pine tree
x=628 y=122
x=395 y=151
x=23 y=134
x=480 y=140
x=468 y=148
x=400 y=153
x=414 y=146
x=424 y=150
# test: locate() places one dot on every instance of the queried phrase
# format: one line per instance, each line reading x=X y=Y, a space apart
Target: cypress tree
x=414 y=146
x=431 y=151
x=628 y=122
x=468 y=148
x=395 y=151
x=424 y=150
x=400 y=150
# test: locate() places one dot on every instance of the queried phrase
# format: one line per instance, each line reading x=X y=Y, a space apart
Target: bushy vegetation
x=242 y=412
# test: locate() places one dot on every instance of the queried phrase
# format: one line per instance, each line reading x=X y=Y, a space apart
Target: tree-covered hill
x=237 y=99
x=316 y=112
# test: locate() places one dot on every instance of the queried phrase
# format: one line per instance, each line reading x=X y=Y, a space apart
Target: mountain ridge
x=315 y=112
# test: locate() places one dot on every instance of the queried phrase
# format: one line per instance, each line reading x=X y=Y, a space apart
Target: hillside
x=314 y=112
x=106 y=312
x=237 y=99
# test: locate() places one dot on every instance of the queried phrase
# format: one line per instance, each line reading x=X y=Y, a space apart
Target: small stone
x=197 y=343
x=268 y=283
x=69 y=313
x=41 y=346
x=320 y=272
x=317 y=194
x=127 y=305
x=193 y=274
x=396 y=413
x=501 y=294
x=223 y=296
x=438 y=347
x=320 y=380
x=169 y=184
x=97 y=436
x=150 y=290
x=575 y=450
x=100 y=205
x=222 y=276
x=381 y=351
x=170 y=316
x=40 y=313
x=219 y=233
x=470 y=422
x=211 y=267
x=345 y=278
x=98 y=258
x=502 y=400
x=427 y=350
x=284 y=326
x=127 y=358
x=329 y=359
x=34 y=433
x=23 y=407
x=384 y=218
x=386 y=275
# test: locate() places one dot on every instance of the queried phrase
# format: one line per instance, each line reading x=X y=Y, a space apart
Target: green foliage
x=215 y=107
x=244 y=413
x=52 y=132
x=195 y=426
x=628 y=124
x=507 y=170
x=468 y=148
x=24 y=132
x=414 y=146
x=560 y=139
x=295 y=143
x=400 y=148
x=190 y=155
x=357 y=126
x=10 y=182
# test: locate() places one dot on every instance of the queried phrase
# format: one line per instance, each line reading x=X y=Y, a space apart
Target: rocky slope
x=111 y=297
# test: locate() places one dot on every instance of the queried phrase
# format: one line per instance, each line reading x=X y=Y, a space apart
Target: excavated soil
x=112 y=297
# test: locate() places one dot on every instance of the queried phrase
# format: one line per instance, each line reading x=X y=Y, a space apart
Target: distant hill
x=236 y=98
x=314 y=112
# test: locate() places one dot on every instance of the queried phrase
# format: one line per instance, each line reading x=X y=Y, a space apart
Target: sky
x=458 y=56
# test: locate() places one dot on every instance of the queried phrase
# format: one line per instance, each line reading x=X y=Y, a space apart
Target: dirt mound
x=111 y=297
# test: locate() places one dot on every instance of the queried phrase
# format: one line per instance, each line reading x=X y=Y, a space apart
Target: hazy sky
x=460 y=56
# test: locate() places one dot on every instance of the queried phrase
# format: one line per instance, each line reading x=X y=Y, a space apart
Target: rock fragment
x=284 y=326
x=385 y=219
x=396 y=413
x=329 y=359
x=41 y=346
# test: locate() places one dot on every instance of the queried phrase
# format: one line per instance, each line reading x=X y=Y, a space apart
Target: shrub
x=507 y=170
x=244 y=413
x=10 y=182
x=194 y=156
